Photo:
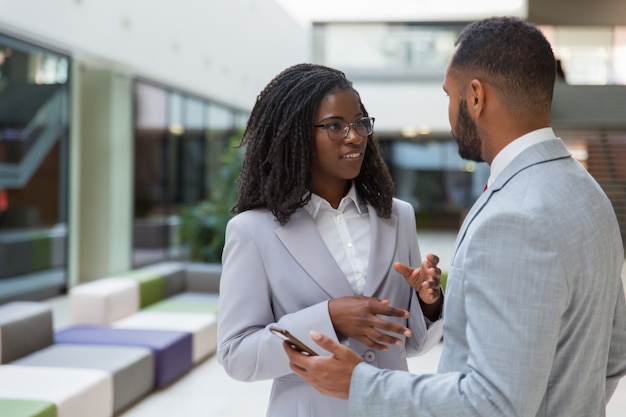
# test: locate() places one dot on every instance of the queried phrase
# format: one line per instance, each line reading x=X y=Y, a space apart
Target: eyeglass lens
x=340 y=129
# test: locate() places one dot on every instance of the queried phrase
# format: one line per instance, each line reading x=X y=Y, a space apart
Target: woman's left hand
x=425 y=280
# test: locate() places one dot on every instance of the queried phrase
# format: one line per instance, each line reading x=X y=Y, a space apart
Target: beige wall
x=105 y=172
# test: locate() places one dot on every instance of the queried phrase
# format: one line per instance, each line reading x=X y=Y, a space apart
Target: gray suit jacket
x=534 y=319
x=285 y=276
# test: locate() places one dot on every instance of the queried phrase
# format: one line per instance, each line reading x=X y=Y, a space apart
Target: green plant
x=203 y=225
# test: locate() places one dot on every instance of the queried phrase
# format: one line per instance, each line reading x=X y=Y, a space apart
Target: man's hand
x=330 y=375
x=358 y=317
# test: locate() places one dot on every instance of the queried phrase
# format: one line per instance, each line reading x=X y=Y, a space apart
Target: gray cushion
x=25 y=327
x=132 y=368
x=203 y=277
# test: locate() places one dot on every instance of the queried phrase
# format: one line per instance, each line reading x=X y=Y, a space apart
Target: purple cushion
x=172 y=349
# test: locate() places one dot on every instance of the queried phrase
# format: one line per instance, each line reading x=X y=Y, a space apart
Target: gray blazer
x=285 y=276
x=534 y=319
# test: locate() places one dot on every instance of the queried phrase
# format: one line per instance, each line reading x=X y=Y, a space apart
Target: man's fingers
x=329 y=375
x=326 y=342
x=297 y=360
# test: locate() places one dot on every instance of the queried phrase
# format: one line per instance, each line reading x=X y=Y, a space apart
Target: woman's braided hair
x=279 y=140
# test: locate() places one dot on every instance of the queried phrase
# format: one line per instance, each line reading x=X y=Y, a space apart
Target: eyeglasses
x=339 y=130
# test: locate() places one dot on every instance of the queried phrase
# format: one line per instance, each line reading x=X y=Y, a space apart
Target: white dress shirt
x=346 y=233
x=510 y=151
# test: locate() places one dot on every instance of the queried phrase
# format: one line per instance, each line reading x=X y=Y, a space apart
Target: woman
x=314 y=240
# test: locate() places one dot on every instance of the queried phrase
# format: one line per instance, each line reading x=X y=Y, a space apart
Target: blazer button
x=369 y=356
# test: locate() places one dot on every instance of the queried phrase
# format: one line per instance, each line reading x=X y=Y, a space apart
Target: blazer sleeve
x=425 y=334
x=247 y=350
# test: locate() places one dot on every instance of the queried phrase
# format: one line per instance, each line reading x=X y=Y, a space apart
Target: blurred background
x=117 y=117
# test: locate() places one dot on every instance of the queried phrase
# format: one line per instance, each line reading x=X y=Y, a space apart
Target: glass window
x=400 y=49
x=220 y=119
x=194 y=114
x=220 y=126
x=432 y=176
x=34 y=92
x=151 y=109
x=619 y=55
x=586 y=54
x=191 y=154
x=241 y=121
x=178 y=142
x=150 y=231
x=590 y=55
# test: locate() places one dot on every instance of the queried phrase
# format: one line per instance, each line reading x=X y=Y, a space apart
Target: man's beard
x=466 y=136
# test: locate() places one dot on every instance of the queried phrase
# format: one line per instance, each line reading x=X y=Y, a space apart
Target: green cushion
x=184 y=306
x=443 y=279
x=42 y=251
x=27 y=408
x=150 y=286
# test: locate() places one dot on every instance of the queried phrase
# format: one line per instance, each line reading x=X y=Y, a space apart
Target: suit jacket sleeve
x=247 y=350
x=508 y=319
x=425 y=334
x=616 y=367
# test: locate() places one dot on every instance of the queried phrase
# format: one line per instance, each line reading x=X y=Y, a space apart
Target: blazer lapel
x=302 y=240
x=476 y=208
x=383 y=237
x=542 y=152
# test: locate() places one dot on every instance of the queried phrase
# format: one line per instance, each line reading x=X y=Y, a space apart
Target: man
x=534 y=318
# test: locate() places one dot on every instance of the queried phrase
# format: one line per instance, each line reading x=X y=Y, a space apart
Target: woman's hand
x=426 y=281
x=357 y=317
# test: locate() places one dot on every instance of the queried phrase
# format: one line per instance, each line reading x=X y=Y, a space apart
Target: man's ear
x=475 y=96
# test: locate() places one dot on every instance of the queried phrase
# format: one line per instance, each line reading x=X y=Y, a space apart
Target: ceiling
x=577 y=12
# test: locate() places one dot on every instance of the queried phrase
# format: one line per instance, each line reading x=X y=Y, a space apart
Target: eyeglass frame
x=350 y=126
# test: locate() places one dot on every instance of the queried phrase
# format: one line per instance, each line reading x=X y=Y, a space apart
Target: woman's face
x=337 y=162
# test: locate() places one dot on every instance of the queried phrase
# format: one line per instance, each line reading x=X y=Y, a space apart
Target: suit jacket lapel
x=383 y=236
x=302 y=240
x=476 y=208
x=542 y=152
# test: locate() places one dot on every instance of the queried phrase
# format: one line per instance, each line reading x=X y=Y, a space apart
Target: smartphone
x=293 y=341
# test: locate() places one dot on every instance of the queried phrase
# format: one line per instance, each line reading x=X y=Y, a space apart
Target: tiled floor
x=208 y=391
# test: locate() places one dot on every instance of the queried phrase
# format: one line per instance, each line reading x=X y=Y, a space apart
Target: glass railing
x=396 y=50
x=589 y=55
x=33 y=146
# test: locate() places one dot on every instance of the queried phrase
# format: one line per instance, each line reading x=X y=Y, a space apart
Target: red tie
x=485 y=189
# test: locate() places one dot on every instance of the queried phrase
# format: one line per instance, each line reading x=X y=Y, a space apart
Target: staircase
x=606 y=161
